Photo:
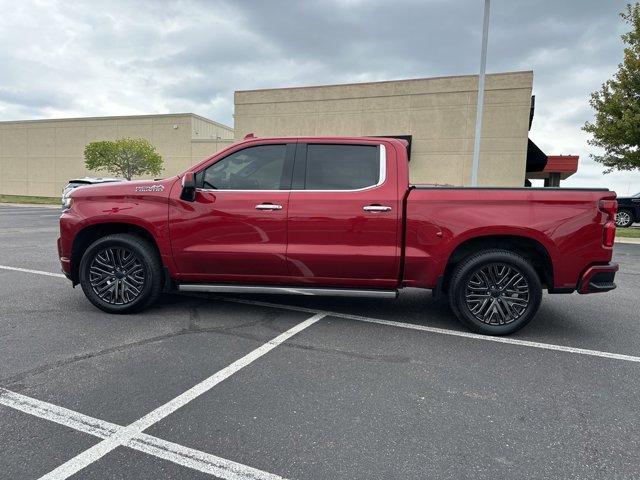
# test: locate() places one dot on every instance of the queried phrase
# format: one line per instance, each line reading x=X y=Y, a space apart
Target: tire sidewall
x=458 y=300
x=146 y=261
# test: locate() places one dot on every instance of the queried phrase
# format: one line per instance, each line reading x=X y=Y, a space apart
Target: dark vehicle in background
x=628 y=211
x=80 y=182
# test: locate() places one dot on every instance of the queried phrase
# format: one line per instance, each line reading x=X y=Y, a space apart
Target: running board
x=335 y=292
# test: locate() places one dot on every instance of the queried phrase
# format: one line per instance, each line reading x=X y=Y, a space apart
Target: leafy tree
x=616 y=128
x=126 y=157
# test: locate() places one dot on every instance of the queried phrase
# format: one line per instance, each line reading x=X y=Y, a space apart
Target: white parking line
x=62 y=416
x=27 y=270
x=185 y=456
x=411 y=326
x=124 y=435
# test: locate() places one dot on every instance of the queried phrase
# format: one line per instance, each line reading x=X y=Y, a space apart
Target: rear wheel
x=624 y=219
x=495 y=292
x=121 y=273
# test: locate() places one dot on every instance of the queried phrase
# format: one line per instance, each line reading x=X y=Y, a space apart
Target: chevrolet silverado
x=336 y=216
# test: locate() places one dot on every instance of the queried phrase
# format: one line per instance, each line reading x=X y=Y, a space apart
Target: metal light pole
x=483 y=64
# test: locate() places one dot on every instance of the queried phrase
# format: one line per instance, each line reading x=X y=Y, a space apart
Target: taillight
x=610 y=207
x=609 y=235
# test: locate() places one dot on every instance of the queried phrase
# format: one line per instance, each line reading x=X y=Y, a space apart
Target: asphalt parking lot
x=268 y=387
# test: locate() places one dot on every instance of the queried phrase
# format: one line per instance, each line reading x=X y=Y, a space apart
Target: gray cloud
x=119 y=57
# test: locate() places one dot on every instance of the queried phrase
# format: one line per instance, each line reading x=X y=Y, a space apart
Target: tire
x=115 y=289
x=480 y=298
x=624 y=218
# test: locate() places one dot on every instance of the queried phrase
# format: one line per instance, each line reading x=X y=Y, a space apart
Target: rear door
x=236 y=229
x=344 y=213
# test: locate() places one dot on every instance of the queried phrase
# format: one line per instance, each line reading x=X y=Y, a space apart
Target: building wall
x=205 y=129
x=439 y=113
x=39 y=157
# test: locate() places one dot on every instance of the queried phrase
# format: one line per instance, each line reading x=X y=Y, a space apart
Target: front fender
x=116 y=213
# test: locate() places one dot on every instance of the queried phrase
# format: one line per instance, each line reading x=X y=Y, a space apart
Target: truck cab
x=332 y=217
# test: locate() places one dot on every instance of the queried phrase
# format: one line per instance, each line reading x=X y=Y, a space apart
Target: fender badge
x=150 y=188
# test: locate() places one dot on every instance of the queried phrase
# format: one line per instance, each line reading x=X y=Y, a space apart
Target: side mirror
x=188 y=187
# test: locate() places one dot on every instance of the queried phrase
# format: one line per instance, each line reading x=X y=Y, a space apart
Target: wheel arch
x=529 y=248
x=89 y=234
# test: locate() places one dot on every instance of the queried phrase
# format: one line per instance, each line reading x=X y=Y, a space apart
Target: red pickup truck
x=336 y=216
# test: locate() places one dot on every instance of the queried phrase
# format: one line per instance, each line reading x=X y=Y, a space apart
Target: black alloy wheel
x=121 y=273
x=495 y=292
x=117 y=275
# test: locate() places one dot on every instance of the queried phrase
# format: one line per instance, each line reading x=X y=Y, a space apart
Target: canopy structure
x=550 y=168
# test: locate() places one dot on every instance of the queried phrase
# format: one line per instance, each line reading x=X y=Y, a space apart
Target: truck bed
x=566 y=224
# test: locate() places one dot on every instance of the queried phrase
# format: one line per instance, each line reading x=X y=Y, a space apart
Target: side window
x=342 y=167
x=254 y=168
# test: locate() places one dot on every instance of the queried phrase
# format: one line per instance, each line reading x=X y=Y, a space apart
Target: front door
x=344 y=215
x=236 y=229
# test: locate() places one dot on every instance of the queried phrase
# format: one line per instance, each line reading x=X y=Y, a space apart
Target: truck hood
x=134 y=188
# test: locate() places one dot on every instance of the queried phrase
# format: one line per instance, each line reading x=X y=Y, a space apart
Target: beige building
x=437 y=113
x=38 y=157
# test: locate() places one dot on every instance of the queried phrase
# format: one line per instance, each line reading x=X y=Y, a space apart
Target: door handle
x=268 y=206
x=376 y=208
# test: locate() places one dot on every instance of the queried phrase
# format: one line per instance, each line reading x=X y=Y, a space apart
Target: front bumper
x=65 y=261
x=598 y=278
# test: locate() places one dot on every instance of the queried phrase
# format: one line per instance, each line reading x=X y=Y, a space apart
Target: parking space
x=120 y=385
x=273 y=387
x=402 y=406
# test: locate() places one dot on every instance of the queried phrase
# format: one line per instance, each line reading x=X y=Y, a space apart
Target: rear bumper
x=598 y=278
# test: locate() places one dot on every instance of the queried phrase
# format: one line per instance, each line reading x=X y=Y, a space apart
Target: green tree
x=616 y=128
x=126 y=157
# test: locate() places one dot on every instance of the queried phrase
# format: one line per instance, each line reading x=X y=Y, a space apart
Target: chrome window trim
x=382 y=177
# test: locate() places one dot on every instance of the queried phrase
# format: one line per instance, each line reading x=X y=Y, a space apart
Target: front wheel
x=121 y=273
x=495 y=292
x=624 y=219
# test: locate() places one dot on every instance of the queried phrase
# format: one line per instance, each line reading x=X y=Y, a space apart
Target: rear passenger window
x=342 y=167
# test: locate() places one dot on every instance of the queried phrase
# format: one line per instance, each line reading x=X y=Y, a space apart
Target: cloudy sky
x=70 y=59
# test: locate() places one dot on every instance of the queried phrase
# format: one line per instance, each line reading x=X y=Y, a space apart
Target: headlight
x=67 y=202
